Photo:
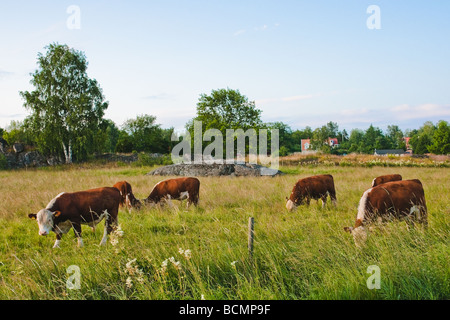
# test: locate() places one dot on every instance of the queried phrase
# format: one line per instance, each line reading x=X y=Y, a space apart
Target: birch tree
x=66 y=106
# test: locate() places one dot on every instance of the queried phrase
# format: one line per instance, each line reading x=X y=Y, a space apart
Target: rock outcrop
x=215 y=169
x=17 y=157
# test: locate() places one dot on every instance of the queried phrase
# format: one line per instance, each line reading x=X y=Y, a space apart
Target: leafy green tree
x=373 y=139
x=124 y=143
x=356 y=140
x=420 y=143
x=297 y=137
x=225 y=109
x=147 y=136
x=319 y=140
x=286 y=139
x=441 y=139
x=332 y=129
x=395 y=136
x=66 y=106
x=17 y=132
x=112 y=136
x=422 y=139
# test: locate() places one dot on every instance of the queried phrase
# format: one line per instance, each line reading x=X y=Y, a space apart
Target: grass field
x=300 y=255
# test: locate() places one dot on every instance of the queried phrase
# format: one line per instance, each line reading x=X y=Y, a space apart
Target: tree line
x=67 y=120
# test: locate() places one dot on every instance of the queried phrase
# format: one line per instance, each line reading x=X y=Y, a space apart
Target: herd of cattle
x=389 y=198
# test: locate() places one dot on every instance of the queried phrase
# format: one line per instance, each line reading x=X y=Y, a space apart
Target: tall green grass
x=300 y=255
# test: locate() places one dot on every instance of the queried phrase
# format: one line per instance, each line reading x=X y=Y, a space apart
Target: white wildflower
x=177 y=265
x=187 y=254
x=129 y=283
x=133 y=271
x=119 y=231
x=114 y=241
x=164 y=266
x=130 y=267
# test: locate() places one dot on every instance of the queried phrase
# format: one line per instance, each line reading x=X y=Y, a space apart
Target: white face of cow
x=45 y=220
x=359 y=235
x=290 y=205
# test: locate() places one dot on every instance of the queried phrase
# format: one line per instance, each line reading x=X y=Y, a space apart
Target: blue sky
x=304 y=62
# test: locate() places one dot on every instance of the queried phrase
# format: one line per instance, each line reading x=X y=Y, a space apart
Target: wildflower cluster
x=186 y=253
x=165 y=263
x=115 y=235
x=134 y=273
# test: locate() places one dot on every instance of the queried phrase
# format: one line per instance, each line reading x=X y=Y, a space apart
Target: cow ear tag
x=57 y=213
x=32 y=216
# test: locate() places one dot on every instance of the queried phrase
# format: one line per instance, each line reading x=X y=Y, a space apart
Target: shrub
x=3 y=162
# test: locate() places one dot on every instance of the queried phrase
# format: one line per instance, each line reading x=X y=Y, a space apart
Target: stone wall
x=17 y=157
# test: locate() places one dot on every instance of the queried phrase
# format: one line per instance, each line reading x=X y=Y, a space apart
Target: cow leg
x=308 y=200
x=169 y=203
x=105 y=234
x=333 y=199
x=77 y=231
x=419 y=215
x=57 y=241
x=324 y=201
x=111 y=222
x=106 y=231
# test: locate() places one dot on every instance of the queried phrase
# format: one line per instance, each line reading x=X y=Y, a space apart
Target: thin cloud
x=4 y=74
x=427 y=110
x=297 y=98
x=289 y=98
x=160 y=96
x=239 y=32
x=17 y=115
x=262 y=28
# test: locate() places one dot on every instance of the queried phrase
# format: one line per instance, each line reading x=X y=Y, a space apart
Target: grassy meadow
x=300 y=255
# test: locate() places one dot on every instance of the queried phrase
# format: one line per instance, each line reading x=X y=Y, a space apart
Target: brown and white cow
x=386 y=178
x=396 y=200
x=315 y=187
x=177 y=189
x=128 y=198
x=69 y=210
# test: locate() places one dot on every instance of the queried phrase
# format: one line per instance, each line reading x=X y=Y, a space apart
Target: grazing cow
x=315 y=187
x=178 y=189
x=128 y=199
x=396 y=200
x=387 y=178
x=69 y=210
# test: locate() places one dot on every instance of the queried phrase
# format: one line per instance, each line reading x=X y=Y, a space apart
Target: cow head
x=132 y=202
x=135 y=203
x=359 y=234
x=290 y=205
x=147 y=202
x=45 y=219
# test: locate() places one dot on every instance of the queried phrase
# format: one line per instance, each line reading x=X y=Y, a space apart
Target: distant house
x=386 y=152
x=306 y=144
x=333 y=142
x=408 y=146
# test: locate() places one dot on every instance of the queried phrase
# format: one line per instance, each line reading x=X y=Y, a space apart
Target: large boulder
x=214 y=169
x=3 y=145
x=18 y=147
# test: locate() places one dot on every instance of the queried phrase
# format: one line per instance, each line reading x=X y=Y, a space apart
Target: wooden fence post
x=251 y=233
